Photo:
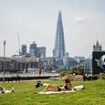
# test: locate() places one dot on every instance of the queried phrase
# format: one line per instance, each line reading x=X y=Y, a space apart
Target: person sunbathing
x=67 y=86
x=3 y=90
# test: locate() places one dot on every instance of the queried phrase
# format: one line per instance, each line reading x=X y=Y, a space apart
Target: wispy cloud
x=80 y=20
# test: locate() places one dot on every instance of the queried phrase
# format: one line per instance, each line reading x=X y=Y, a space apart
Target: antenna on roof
x=18 y=42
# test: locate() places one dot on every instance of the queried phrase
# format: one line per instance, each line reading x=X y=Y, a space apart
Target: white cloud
x=80 y=20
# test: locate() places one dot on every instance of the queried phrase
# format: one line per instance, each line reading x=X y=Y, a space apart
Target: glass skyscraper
x=59 y=49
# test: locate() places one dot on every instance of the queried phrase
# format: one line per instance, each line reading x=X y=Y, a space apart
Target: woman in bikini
x=67 y=86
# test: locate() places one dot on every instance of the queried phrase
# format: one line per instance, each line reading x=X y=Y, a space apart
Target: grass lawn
x=93 y=94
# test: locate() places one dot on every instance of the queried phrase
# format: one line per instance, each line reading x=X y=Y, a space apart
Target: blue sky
x=35 y=20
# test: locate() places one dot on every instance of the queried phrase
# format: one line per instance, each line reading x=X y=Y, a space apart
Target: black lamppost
x=4 y=45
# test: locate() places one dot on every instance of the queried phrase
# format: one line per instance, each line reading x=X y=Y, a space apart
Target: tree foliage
x=78 y=70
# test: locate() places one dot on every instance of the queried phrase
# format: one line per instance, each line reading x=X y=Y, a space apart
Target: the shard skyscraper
x=59 y=49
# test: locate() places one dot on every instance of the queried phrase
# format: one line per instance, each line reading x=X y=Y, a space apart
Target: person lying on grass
x=3 y=90
x=67 y=86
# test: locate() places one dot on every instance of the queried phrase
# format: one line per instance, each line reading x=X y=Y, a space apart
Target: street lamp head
x=4 y=42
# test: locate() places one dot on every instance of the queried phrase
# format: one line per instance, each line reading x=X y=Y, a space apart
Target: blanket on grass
x=80 y=87
x=52 y=92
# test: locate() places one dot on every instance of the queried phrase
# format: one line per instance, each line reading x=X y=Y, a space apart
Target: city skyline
x=35 y=20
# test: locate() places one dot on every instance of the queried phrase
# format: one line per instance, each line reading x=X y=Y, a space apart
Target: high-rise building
x=37 y=51
x=41 y=52
x=79 y=59
x=24 y=49
x=33 y=49
x=59 y=49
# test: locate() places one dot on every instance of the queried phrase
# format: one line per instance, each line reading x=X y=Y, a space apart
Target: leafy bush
x=94 y=77
x=78 y=70
x=101 y=76
x=65 y=72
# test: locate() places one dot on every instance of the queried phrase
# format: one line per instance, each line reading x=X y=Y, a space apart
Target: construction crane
x=19 y=43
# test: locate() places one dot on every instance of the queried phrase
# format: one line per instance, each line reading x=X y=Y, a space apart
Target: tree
x=78 y=70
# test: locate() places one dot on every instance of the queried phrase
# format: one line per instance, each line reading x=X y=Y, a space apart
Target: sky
x=36 y=20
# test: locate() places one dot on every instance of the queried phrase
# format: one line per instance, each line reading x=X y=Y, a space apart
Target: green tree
x=78 y=70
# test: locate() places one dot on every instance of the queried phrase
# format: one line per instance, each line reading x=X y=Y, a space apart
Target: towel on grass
x=52 y=92
x=80 y=87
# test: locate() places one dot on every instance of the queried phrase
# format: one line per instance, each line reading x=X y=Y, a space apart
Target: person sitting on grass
x=38 y=84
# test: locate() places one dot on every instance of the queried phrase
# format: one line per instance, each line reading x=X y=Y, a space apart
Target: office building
x=41 y=52
x=33 y=49
x=24 y=49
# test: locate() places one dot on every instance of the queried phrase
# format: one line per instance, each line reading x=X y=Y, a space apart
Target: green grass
x=93 y=94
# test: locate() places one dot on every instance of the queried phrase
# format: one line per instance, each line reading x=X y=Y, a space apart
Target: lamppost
x=40 y=67
x=4 y=45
